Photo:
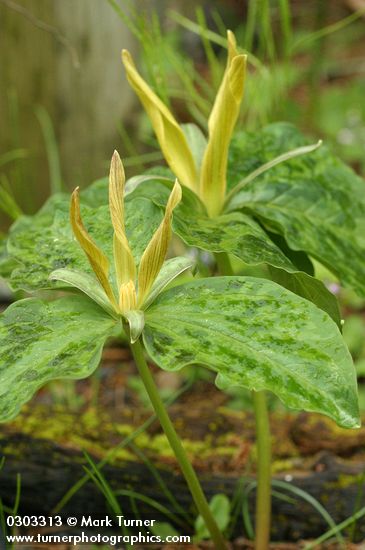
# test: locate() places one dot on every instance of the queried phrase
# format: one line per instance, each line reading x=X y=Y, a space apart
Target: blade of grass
x=11 y=156
x=336 y=529
x=126 y=19
x=7 y=202
x=235 y=507
x=139 y=160
x=106 y=490
x=50 y=141
x=299 y=493
x=286 y=27
x=154 y=504
x=245 y=511
x=124 y=443
x=267 y=44
x=17 y=495
x=250 y=25
x=3 y=543
x=215 y=67
x=211 y=35
x=304 y=41
x=155 y=473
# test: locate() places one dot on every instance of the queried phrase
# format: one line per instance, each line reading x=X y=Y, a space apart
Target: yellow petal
x=127 y=297
x=124 y=263
x=154 y=255
x=221 y=124
x=98 y=261
x=169 y=134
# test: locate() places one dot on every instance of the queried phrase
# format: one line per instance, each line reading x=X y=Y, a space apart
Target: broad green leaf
x=299 y=258
x=234 y=233
x=157 y=189
x=221 y=510
x=44 y=242
x=310 y=288
x=314 y=201
x=43 y=341
x=240 y=235
x=256 y=334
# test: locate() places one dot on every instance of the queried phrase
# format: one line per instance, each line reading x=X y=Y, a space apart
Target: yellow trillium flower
x=132 y=288
x=210 y=184
x=221 y=124
x=169 y=134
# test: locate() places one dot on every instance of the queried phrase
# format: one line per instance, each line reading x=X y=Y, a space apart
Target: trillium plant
x=265 y=199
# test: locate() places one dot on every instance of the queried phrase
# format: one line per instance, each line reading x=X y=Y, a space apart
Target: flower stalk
x=263 y=489
x=176 y=445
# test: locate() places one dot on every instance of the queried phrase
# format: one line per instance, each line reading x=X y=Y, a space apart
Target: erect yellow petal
x=169 y=134
x=98 y=261
x=127 y=297
x=154 y=255
x=221 y=124
x=125 y=267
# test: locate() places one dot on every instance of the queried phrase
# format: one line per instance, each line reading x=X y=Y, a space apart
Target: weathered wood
x=65 y=56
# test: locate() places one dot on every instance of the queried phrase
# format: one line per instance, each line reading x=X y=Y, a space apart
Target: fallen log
x=48 y=469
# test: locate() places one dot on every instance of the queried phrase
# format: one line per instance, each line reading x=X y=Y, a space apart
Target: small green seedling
x=221 y=510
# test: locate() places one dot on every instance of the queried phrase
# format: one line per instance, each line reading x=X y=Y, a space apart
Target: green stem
x=263 y=441
x=263 y=492
x=174 y=440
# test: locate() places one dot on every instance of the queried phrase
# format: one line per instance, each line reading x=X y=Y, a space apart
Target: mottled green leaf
x=310 y=288
x=44 y=242
x=314 y=201
x=233 y=233
x=239 y=234
x=43 y=341
x=158 y=188
x=256 y=334
x=297 y=257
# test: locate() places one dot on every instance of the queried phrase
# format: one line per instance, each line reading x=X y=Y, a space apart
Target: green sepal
x=88 y=284
x=135 y=319
x=170 y=270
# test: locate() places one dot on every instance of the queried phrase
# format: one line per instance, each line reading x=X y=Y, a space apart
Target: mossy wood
x=336 y=483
